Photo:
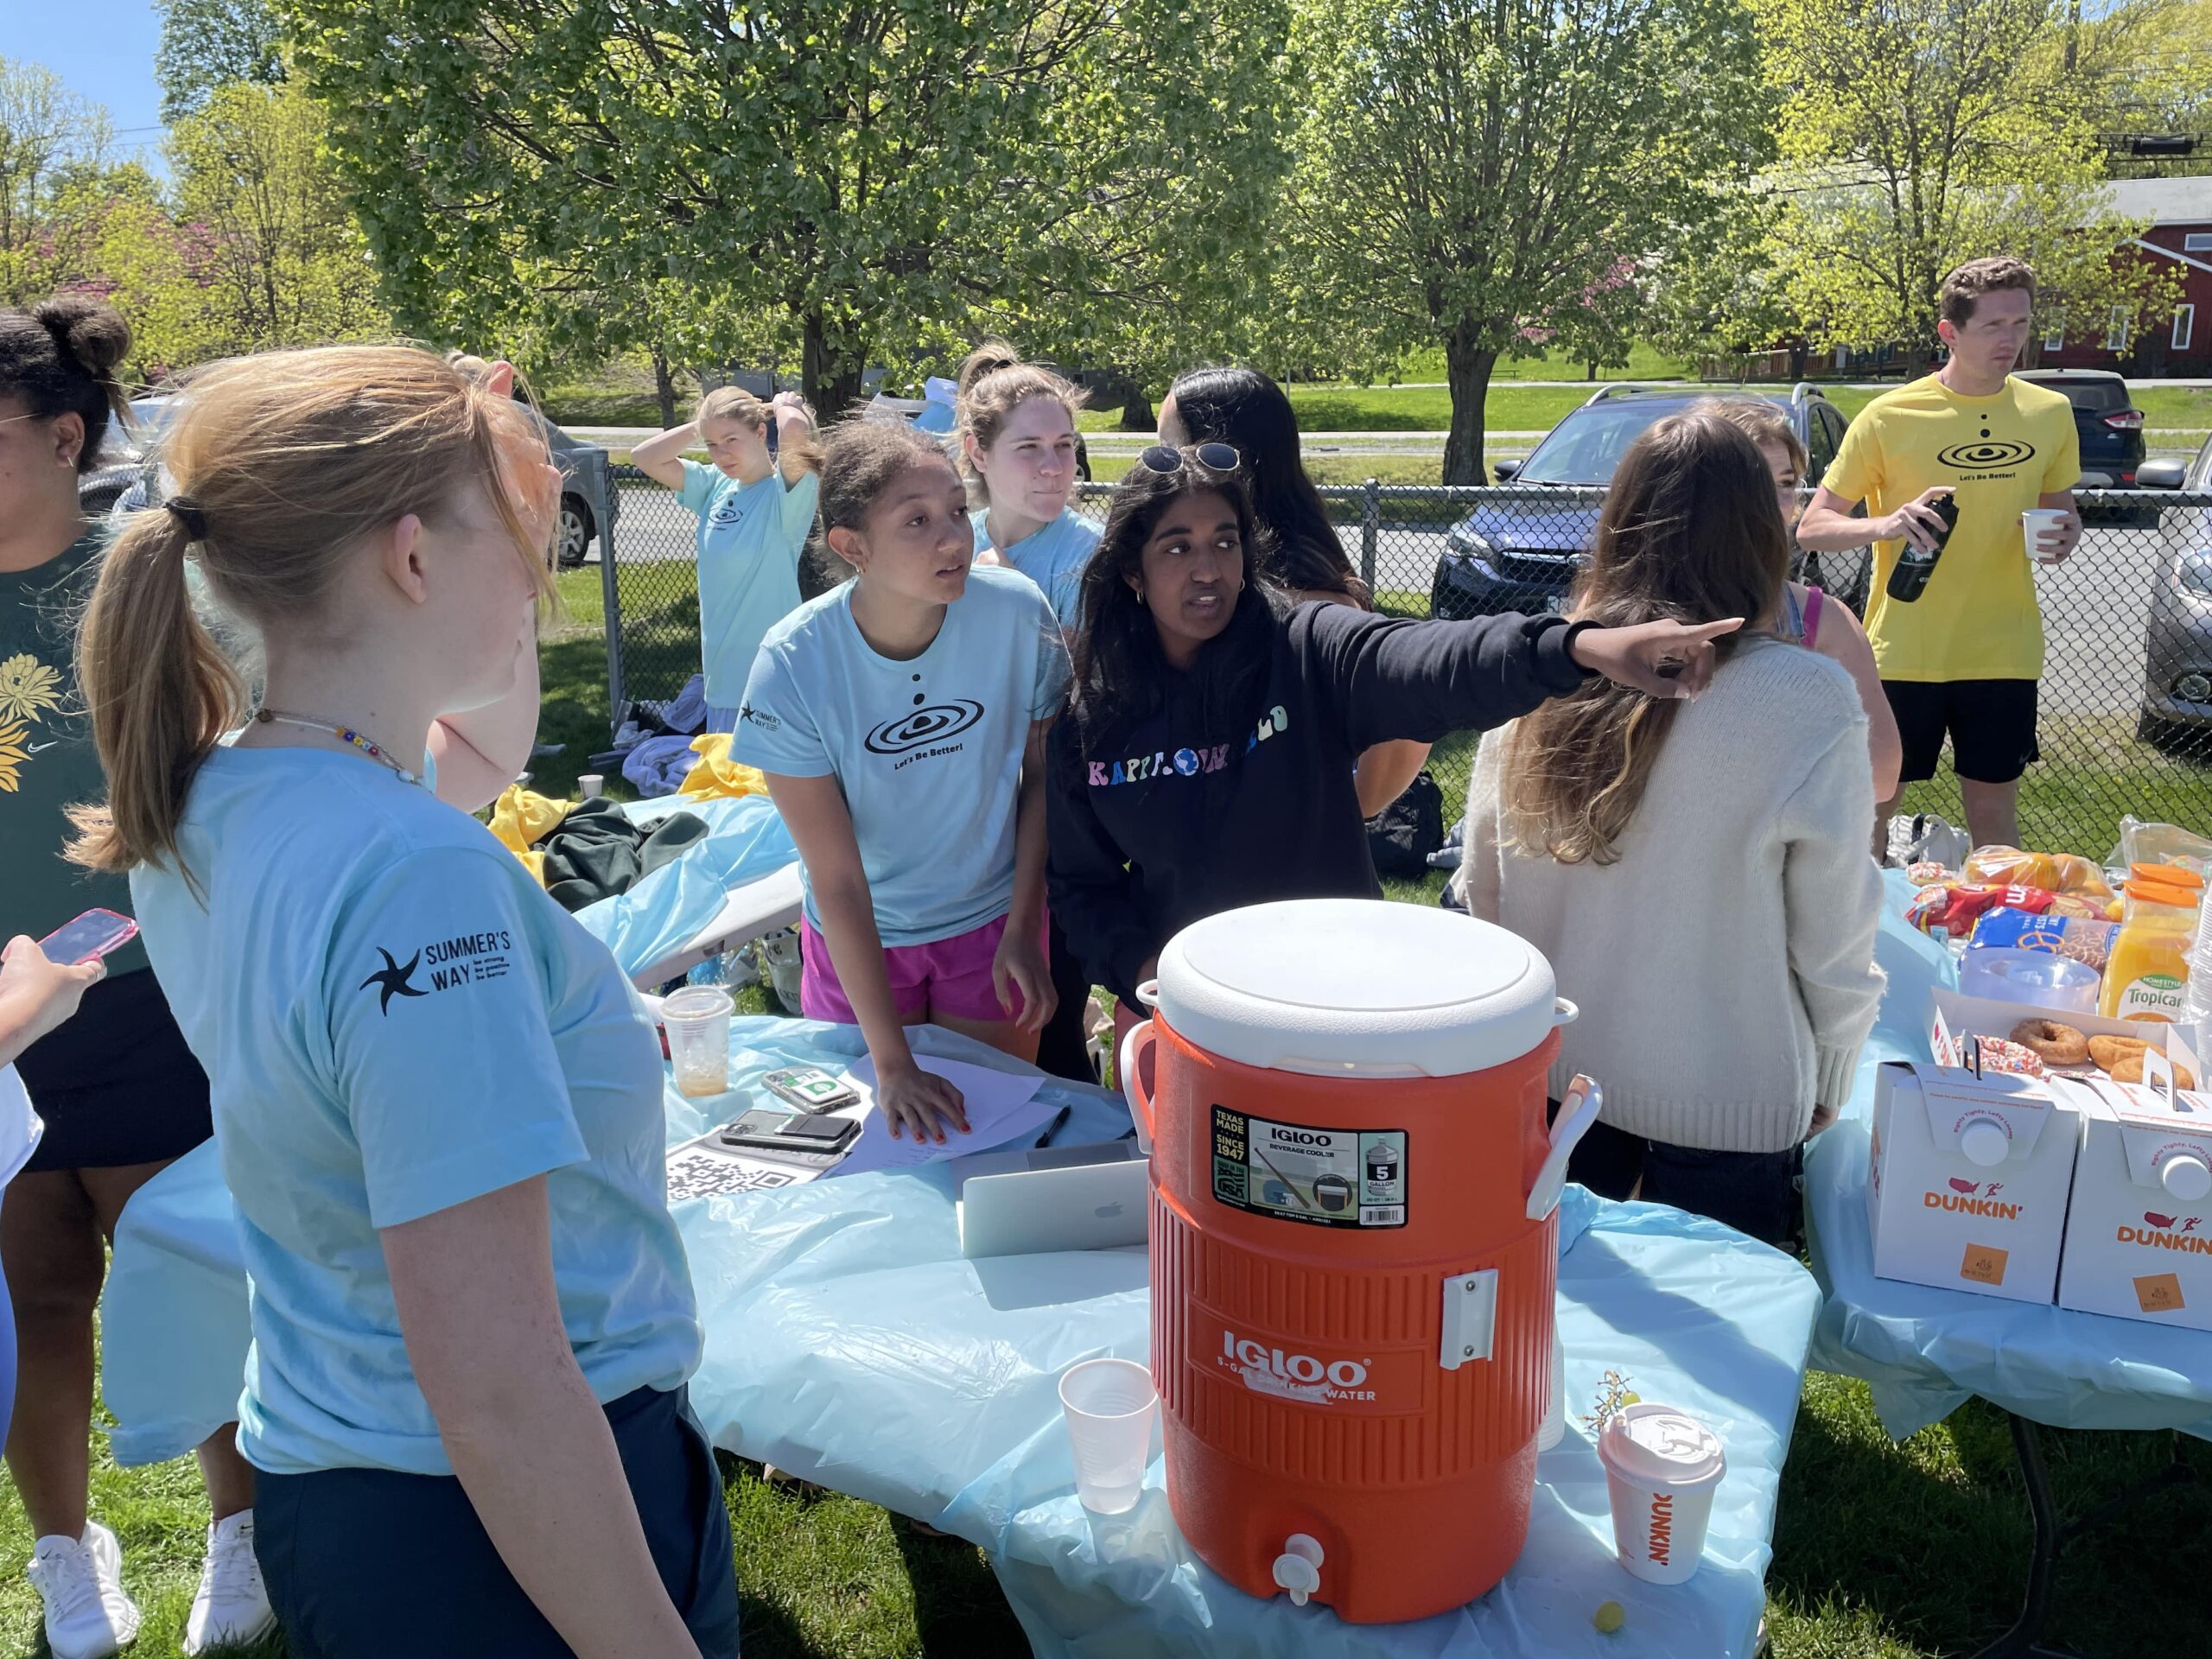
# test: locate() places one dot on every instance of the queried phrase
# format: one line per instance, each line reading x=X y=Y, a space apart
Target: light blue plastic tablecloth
x=746 y=840
x=849 y=1342
x=174 y=1317
x=1925 y=1351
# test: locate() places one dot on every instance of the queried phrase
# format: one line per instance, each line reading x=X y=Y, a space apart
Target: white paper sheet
x=1001 y=1108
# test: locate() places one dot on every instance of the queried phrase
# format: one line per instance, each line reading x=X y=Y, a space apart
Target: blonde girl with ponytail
x=436 y=1103
x=754 y=499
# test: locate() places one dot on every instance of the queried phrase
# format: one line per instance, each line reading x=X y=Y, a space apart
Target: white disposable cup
x=1662 y=1469
x=592 y=784
x=1109 y=1405
x=696 y=1019
x=2034 y=524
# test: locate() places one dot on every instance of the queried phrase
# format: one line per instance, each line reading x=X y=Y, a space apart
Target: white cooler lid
x=1356 y=986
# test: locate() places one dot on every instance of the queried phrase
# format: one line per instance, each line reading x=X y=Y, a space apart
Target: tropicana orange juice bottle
x=2149 y=969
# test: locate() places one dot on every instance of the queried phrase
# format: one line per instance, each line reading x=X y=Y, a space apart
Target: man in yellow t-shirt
x=1948 y=465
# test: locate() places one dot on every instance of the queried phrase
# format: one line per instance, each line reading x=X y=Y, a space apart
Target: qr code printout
x=695 y=1173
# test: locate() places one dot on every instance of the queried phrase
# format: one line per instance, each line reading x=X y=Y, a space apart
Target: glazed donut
x=1997 y=1055
x=2131 y=1071
x=2111 y=1052
x=2056 y=1044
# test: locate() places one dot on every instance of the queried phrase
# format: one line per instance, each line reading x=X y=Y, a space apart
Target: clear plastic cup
x=2034 y=523
x=696 y=1019
x=1109 y=1404
x=1662 y=1469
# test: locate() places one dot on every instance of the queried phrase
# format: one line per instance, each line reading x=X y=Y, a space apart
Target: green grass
x=1882 y=1550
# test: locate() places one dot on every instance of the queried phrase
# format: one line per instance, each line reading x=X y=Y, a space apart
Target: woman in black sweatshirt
x=1206 y=760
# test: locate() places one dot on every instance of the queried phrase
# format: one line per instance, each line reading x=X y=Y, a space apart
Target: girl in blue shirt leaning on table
x=900 y=720
x=755 y=507
x=436 y=1100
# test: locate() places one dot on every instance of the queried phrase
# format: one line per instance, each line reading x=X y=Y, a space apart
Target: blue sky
x=103 y=50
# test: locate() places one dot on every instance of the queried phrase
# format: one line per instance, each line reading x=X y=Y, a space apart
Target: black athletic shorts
x=115 y=1082
x=1991 y=723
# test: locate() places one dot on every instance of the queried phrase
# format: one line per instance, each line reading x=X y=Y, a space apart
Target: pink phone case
x=93 y=934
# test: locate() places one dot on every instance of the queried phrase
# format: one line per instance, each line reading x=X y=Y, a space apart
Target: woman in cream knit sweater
x=1697 y=874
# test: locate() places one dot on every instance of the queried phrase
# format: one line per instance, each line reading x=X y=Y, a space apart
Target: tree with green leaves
x=1472 y=170
x=872 y=172
x=258 y=248
x=53 y=150
x=210 y=44
x=1915 y=135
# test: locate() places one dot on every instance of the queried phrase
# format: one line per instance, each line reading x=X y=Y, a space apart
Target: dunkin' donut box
x=1967 y=1180
x=2138 y=1235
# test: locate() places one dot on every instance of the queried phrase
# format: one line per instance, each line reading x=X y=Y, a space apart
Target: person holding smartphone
x=120 y=1091
x=1947 y=467
x=437 y=1101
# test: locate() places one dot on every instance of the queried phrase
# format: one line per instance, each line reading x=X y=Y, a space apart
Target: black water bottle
x=1915 y=565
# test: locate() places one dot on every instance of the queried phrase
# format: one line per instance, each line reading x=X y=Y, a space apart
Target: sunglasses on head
x=1164 y=458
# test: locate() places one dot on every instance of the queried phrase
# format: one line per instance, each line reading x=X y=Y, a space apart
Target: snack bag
x=1956 y=908
x=2085 y=941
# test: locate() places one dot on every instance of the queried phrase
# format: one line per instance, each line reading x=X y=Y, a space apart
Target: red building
x=2180 y=233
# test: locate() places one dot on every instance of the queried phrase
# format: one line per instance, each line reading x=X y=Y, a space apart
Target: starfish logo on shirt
x=924 y=725
x=394 y=979
x=463 y=959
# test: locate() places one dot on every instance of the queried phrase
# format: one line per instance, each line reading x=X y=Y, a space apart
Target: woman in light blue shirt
x=755 y=501
x=1017 y=442
x=436 y=1101
x=1018 y=446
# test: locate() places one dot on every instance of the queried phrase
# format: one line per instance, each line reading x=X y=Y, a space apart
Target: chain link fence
x=2127 y=693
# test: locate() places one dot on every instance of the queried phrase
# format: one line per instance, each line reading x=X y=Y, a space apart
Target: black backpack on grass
x=1403 y=835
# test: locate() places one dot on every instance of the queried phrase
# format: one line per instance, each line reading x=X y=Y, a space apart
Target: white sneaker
x=87 y=1615
x=231 y=1605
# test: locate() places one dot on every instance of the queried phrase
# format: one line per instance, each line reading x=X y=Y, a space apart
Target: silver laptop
x=1092 y=1205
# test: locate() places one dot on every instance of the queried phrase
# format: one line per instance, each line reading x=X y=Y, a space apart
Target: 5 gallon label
x=1294 y=1171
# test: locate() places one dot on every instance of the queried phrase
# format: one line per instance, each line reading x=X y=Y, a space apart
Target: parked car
x=2178 y=641
x=2110 y=425
x=1521 y=555
x=587 y=502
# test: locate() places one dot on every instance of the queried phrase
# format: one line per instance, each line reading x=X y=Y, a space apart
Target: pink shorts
x=943 y=976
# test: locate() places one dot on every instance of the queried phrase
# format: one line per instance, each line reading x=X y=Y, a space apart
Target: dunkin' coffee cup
x=2034 y=523
x=1661 y=1468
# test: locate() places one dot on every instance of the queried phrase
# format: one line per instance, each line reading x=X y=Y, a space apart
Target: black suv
x=2110 y=425
x=1519 y=552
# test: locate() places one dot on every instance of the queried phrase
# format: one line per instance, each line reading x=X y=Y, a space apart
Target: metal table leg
x=2024 y=1640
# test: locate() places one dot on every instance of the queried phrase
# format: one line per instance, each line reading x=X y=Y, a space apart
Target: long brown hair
x=284 y=463
x=1689 y=531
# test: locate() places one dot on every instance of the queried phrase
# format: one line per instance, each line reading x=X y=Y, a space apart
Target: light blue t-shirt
x=928 y=751
x=750 y=537
x=395 y=1020
x=1053 y=557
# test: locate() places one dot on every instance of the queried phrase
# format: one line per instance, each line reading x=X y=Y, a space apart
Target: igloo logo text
x=1299 y=1371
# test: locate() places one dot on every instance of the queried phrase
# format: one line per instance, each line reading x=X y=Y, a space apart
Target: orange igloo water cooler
x=1354 y=1245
